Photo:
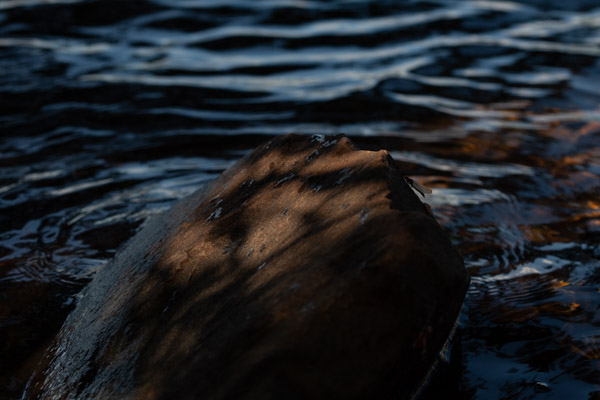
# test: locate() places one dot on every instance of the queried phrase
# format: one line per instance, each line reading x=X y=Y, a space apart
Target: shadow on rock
x=309 y=269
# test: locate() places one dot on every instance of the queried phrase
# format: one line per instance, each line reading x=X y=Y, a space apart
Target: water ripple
x=111 y=112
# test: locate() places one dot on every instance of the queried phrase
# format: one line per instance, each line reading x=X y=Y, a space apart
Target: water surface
x=111 y=111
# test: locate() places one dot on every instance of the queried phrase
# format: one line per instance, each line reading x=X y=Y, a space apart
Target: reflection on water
x=111 y=111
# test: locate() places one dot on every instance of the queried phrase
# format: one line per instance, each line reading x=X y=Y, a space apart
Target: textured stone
x=309 y=269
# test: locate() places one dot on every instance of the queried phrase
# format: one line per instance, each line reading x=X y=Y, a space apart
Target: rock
x=309 y=269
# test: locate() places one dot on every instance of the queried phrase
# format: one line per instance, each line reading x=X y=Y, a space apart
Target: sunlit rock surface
x=307 y=270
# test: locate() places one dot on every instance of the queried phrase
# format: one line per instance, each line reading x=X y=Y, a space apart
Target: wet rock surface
x=309 y=269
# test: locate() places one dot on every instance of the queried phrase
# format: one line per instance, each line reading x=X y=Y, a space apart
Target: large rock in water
x=309 y=269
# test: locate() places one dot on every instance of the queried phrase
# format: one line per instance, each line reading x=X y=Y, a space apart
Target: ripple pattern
x=110 y=111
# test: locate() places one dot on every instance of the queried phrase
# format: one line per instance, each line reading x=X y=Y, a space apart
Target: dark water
x=110 y=111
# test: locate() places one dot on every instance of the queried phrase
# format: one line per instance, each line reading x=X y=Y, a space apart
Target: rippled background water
x=112 y=110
